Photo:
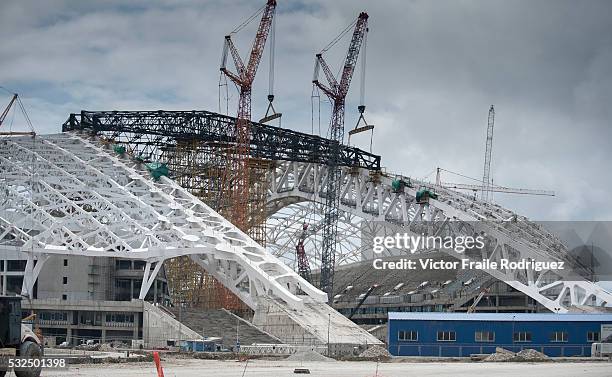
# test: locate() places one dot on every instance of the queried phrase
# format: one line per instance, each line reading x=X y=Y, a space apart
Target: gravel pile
x=308 y=356
x=531 y=355
x=501 y=355
x=375 y=351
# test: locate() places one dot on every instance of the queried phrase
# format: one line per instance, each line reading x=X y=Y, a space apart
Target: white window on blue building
x=484 y=336
x=593 y=336
x=558 y=336
x=522 y=336
x=410 y=336
x=446 y=336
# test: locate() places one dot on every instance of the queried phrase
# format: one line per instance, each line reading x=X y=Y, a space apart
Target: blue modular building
x=462 y=334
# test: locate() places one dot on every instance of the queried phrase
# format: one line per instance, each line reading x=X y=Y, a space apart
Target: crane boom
x=7 y=109
x=507 y=190
x=243 y=78
x=337 y=94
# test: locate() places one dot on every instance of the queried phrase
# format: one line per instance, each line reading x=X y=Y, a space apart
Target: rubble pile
x=502 y=355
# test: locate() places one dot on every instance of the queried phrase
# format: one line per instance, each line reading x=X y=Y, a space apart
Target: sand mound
x=308 y=356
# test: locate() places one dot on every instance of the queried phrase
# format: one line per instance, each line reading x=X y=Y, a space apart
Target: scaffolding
x=197 y=147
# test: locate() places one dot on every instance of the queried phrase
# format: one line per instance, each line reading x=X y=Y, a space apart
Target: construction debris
x=502 y=355
x=530 y=355
x=308 y=355
x=375 y=352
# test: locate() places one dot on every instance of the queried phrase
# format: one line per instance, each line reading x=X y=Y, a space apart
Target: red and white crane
x=243 y=78
x=336 y=91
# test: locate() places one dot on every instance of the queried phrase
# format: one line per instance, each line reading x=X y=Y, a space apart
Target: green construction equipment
x=399 y=184
x=157 y=170
x=424 y=194
x=119 y=149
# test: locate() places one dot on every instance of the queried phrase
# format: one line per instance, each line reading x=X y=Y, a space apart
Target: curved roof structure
x=371 y=196
x=65 y=194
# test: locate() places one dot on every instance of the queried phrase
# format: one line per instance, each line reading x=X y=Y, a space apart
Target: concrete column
x=69 y=335
x=136 y=325
x=103 y=337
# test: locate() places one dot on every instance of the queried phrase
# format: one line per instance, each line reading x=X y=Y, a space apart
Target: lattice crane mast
x=302 y=259
x=336 y=91
x=239 y=197
x=486 y=177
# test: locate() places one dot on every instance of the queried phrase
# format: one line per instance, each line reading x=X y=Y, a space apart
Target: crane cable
x=248 y=20
x=271 y=51
x=21 y=107
x=338 y=37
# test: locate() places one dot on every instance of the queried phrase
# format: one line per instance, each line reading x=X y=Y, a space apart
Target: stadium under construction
x=155 y=227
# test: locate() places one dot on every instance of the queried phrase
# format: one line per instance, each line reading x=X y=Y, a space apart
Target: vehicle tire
x=29 y=350
x=2 y=373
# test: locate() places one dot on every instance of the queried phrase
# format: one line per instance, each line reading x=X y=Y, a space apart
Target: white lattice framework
x=63 y=194
x=371 y=197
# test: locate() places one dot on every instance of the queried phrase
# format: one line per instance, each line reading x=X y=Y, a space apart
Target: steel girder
x=150 y=131
x=508 y=235
x=63 y=194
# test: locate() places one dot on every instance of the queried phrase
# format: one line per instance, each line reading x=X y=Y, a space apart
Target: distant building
x=462 y=334
x=80 y=298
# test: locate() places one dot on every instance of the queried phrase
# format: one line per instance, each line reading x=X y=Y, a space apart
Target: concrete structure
x=107 y=321
x=461 y=334
x=422 y=291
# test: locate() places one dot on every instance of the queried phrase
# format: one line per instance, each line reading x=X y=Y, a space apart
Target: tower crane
x=336 y=91
x=243 y=78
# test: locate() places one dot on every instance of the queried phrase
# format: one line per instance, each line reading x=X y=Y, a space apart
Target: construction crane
x=495 y=188
x=239 y=162
x=486 y=178
x=271 y=113
x=336 y=91
x=364 y=296
x=472 y=307
x=15 y=99
x=302 y=259
x=492 y=188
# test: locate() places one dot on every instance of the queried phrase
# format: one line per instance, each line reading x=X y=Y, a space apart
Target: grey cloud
x=434 y=67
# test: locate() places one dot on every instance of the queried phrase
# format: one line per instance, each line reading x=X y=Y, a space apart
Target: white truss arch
x=371 y=197
x=62 y=194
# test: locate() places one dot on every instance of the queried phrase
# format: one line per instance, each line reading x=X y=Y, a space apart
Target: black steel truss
x=165 y=128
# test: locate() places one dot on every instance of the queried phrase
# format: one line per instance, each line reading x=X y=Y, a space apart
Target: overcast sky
x=434 y=68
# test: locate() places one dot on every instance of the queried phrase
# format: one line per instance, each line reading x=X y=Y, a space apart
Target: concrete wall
x=159 y=326
x=87 y=278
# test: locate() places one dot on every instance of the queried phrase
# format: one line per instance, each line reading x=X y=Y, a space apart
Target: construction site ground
x=174 y=367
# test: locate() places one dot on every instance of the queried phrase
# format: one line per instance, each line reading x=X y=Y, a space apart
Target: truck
x=17 y=340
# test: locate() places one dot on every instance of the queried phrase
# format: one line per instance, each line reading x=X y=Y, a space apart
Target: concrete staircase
x=222 y=323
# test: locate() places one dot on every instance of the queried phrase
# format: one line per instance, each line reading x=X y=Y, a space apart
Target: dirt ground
x=261 y=368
